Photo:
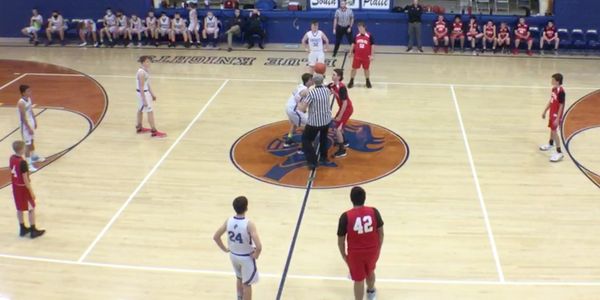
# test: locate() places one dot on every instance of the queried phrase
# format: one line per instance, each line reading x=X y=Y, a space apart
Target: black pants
x=255 y=31
x=308 y=137
x=340 y=32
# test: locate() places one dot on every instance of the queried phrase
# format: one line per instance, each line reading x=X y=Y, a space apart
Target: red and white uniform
x=550 y=33
x=457 y=30
x=360 y=226
x=341 y=95
x=473 y=30
x=440 y=30
x=19 y=169
x=558 y=98
x=489 y=32
x=362 y=51
x=522 y=32
x=503 y=34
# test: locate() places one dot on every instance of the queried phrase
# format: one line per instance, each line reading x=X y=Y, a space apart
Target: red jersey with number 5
x=16 y=171
x=362 y=227
x=362 y=45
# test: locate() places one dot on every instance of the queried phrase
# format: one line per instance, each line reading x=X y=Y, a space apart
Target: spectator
x=231 y=4
x=35 y=25
x=342 y=25
x=237 y=23
x=255 y=28
x=549 y=37
x=414 y=11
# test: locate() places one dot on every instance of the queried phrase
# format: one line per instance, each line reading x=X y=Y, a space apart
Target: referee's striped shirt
x=344 y=17
x=319 y=111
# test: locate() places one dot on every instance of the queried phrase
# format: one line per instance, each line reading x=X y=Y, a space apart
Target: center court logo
x=374 y=152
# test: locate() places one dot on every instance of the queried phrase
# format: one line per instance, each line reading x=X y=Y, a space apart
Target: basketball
x=320 y=68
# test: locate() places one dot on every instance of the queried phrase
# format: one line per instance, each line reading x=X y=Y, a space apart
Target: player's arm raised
x=255 y=239
x=217 y=237
x=24 y=121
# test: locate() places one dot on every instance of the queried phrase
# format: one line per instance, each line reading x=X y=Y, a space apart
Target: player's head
x=472 y=19
x=151 y=13
x=177 y=16
x=415 y=2
x=240 y=205
x=209 y=14
x=134 y=16
x=490 y=22
x=343 y=4
x=550 y=23
x=503 y=24
x=18 y=147
x=119 y=13
x=521 y=20
x=440 y=17
x=163 y=14
x=307 y=79
x=192 y=5
x=457 y=18
x=145 y=60
x=55 y=14
x=358 y=196
x=236 y=12
x=25 y=90
x=557 y=79
x=34 y=11
x=338 y=75
x=108 y=11
x=314 y=25
x=361 y=27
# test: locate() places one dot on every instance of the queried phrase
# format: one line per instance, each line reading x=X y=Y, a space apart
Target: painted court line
x=478 y=188
x=152 y=171
x=302 y=277
x=13 y=81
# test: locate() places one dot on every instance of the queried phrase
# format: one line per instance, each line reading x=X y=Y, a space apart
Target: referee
x=319 y=119
x=342 y=25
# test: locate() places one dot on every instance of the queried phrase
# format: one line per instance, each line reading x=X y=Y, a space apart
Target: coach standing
x=414 y=11
x=342 y=25
x=319 y=119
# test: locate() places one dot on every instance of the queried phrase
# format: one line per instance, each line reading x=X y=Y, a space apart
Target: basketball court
x=472 y=209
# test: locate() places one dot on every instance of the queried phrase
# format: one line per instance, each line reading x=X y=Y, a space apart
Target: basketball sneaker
x=369 y=83
x=36 y=233
x=300 y=152
x=37 y=158
x=351 y=83
x=529 y=52
x=32 y=168
x=546 y=147
x=340 y=153
x=96 y=45
x=372 y=295
x=23 y=231
x=288 y=143
x=158 y=134
x=142 y=129
x=556 y=157
x=83 y=44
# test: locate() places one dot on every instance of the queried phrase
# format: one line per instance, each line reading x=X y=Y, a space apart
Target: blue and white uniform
x=241 y=248
x=295 y=116
x=29 y=118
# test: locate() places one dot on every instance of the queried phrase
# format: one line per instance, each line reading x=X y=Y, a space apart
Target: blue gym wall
x=288 y=26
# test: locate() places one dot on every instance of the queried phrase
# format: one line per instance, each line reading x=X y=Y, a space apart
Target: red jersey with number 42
x=362 y=45
x=16 y=171
x=362 y=228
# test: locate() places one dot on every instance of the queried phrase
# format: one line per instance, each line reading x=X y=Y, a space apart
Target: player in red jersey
x=522 y=34
x=474 y=34
x=489 y=36
x=362 y=49
x=550 y=36
x=362 y=228
x=504 y=37
x=22 y=191
x=339 y=90
x=556 y=106
x=440 y=32
x=457 y=33
x=345 y=110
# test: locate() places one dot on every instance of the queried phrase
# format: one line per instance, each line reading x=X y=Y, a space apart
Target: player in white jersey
x=211 y=26
x=109 y=27
x=122 y=27
x=194 y=27
x=296 y=116
x=145 y=98
x=56 y=24
x=244 y=247
x=87 y=27
x=164 y=28
x=35 y=25
x=151 y=26
x=135 y=27
x=28 y=125
x=316 y=43
x=179 y=28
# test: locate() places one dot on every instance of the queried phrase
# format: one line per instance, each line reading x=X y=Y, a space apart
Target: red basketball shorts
x=23 y=200
x=362 y=263
x=457 y=35
x=523 y=38
x=360 y=61
x=345 y=118
x=552 y=120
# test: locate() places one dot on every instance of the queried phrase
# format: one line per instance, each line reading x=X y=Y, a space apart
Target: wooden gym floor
x=475 y=212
